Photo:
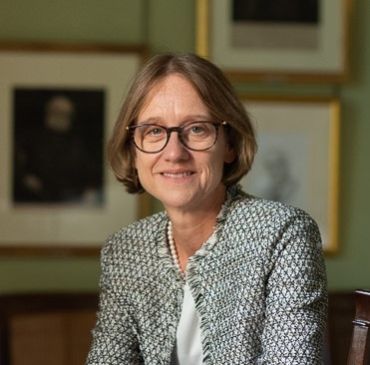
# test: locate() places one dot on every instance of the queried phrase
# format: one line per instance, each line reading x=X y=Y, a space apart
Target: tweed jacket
x=260 y=289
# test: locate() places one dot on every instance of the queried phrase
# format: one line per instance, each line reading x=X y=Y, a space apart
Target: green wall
x=169 y=25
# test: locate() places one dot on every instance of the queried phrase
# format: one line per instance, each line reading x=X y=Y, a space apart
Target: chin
x=177 y=201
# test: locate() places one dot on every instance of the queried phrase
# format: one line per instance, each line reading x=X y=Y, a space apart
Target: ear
x=230 y=154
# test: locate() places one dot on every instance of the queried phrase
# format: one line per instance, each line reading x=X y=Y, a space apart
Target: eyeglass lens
x=197 y=136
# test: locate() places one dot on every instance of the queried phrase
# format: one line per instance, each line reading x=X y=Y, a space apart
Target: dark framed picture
x=275 y=40
x=58 y=107
x=58 y=139
x=297 y=161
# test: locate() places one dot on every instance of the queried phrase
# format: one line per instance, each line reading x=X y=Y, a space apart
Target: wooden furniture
x=340 y=315
x=360 y=346
x=46 y=329
x=55 y=328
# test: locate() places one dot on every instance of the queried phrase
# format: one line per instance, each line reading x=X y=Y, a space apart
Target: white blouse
x=189 y=345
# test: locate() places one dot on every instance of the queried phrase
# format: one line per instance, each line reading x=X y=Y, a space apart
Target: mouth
x=177 y=175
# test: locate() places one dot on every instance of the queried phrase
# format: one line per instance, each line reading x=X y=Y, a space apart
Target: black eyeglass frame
x=179 y=130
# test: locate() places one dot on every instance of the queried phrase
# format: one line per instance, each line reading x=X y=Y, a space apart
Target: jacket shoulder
x=259 y=211
x=269 y=223
x=136 y=239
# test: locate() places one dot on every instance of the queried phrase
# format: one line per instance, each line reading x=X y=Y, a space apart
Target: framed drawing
x=57 y=109
x=298 y=157
x=275 y=40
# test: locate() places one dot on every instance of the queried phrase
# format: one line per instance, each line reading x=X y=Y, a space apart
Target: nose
x=174 y=149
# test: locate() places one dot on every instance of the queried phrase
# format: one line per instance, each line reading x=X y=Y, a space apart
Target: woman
x=220 y=277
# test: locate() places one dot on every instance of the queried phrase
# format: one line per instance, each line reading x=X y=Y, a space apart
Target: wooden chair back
x=339 y=332
x=46 y=329
x=360 y=345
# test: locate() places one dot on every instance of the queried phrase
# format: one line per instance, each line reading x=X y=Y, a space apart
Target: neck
x=190 y=229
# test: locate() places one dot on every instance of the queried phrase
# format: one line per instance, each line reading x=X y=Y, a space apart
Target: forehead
x=174 y=94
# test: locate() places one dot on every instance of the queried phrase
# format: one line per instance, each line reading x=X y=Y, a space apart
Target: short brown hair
x=217 y=94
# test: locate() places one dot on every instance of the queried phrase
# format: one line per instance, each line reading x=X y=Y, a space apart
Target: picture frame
x=262 y=44
x=74 y=77
x=297 y=161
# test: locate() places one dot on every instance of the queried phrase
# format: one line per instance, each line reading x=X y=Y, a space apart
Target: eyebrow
x=187 y=119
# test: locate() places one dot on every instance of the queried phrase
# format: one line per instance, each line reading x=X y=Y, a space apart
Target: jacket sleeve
x=296 y=297
x=114 y=336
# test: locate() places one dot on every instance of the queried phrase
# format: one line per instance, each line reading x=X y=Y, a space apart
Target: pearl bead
x=173 y=250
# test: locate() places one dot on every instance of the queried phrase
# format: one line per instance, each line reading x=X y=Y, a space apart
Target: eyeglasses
x=196 y=136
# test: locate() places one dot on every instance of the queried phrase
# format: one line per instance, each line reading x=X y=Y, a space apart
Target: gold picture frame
x=63 y=228
x=298 y=157
x=256 y=51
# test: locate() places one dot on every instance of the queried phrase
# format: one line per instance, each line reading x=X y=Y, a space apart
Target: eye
x=199 y=129
x=153 y=131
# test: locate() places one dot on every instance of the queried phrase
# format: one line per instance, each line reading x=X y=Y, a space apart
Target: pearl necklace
x=173 y=250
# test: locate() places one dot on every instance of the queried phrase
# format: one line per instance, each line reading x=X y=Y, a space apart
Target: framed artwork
x=297 y=161
x=58 y=107
x=275 y=40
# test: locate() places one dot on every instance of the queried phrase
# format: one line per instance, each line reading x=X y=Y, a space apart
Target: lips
x=177 y=174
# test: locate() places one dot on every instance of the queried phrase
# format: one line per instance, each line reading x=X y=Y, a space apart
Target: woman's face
x=178 y=177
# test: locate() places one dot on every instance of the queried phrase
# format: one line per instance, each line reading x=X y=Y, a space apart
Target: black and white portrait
x=280 y=168
x=275 y=23
x=58 y=146
x=276 y=11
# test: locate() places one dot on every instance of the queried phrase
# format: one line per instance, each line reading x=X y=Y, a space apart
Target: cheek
x=144 y=166
x=219 y=162
x=213 y=168
x=139 y=166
